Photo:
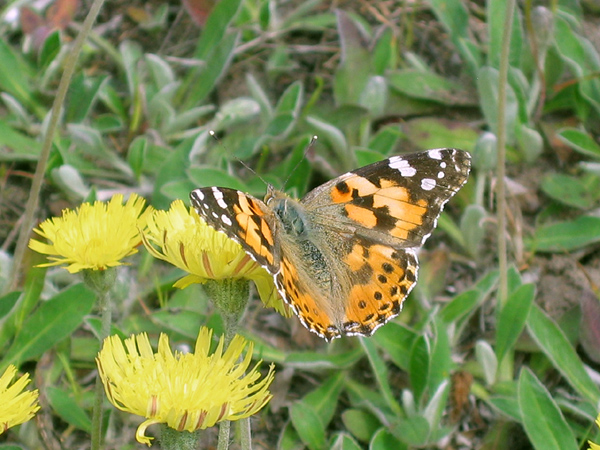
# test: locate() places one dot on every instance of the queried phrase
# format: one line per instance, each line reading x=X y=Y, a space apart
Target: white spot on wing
x=204 y=205
x=215 y=215
x=199 y=194
x=443 y=164
x=435 y=154
x=428 y=184
x=226 y=220
x=441 y=174
x=219 y=197
x=400 y=164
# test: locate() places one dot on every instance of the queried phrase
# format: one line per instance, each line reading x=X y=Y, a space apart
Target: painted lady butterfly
x=344 y=257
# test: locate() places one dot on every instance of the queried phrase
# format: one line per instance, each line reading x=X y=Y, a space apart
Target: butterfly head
x=287 y=210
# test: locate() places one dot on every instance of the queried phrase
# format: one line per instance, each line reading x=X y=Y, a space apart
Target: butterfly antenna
x=214 y=136
x=309 y=147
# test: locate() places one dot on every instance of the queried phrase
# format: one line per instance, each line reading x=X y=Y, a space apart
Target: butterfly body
x=344 y=256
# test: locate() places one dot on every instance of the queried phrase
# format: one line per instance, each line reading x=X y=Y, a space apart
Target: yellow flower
x=16 y=407
x=94 y=236
x=186 y=391
x=592 y=445
x=180 y=237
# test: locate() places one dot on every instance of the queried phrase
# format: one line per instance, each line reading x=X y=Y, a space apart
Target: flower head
x=180 y=237
x=594 y=446
x=16 y=406
x=190 y=391
x=94 y=236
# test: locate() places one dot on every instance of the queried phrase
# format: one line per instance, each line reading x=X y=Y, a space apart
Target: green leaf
x=7 y=302
x=419 y=366
x=543 y=421
x=385 y=53
x=381 y=373
x=487 y=85
x=319 y=361
x=472 y=228
x=512 y=319
x=16 y=146
x=68 y=409
x=308 y=425
x=15 y=77
x=354 y=69
x=324 y=399
x=437 y=404
x=579 y=141
x=566 y=236
x=161 y=72
x=374 y=96
x=344 y=441
x=208 y=176
x=413 y=430
x=530 y=143
x=487 y=360
x=384 y=440
x=53 y=321
x=360 y=423
x=441 y=357
x=336 y=139
x=439 y=133
x=429 y=86
x=552 y=341
x=216 y=26
x=216 y=63
x=83 y=93
x=396 y=340
x=137 y=154
x=454 y=15
x=49 y=50
x=571 y=191
x=385 y=140
x=462 y=305
x=291 y=100
x=496 y=17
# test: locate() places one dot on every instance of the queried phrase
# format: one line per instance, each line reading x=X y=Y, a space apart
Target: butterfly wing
x=243 y=218
x=397 y=200
x=374 y=219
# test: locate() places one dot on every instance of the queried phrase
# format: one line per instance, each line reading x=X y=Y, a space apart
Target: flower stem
x=245 y=434
x=224 y=429
x=171 y=439
x=100 y=282
x=230 y=296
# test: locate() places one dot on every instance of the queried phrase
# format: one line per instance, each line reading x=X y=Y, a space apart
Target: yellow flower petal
x=16 y=406
x=180 y=237
x=188 y=391
x=94 y=236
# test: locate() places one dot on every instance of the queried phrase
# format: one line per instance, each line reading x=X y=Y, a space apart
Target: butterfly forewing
x=241 y=217
x=400 y=197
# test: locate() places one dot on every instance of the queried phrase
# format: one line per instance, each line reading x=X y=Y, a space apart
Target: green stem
x=100 y=282
x=171 y=439
x=40 y=170
x=245 y=434
x=505 y=370
x=230 y=296
x=224 y=429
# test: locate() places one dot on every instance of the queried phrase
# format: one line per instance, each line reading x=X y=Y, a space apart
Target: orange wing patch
x=254 y=230
x=384 y=277
x=296 y=295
